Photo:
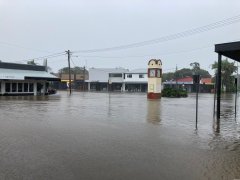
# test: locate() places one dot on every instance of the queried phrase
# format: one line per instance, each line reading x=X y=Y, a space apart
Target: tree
x=195 y=67
x=186 y=72
x=183 y=73
x=167 y=76
x=228 y=69
x=74 y=70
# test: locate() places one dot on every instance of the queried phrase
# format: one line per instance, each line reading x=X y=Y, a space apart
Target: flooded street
x=117 y=136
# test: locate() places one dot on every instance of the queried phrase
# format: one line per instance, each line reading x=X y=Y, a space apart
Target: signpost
x=196 y=81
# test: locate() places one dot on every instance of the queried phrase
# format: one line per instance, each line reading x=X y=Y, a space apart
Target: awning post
x=219 y=80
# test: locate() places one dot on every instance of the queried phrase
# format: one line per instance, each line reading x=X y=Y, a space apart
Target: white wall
x=135 y=78
x=102 y=74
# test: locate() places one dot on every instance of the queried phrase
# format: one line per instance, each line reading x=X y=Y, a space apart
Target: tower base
x=154 y=95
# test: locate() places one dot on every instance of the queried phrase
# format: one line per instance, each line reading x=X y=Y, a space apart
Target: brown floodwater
x=117 y=136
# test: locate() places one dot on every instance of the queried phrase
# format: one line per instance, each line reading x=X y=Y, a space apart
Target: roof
x=156 y=61
x=17 y=74
x=230 y=50
x=206 y=80
x=185 y=79
x=7 y=65
x=189 y=80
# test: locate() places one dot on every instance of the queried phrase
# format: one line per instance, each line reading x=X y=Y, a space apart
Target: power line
x=136 y=56
x=44 y=57
x=215 y=25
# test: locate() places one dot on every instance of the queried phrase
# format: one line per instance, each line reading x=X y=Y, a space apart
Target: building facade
x=135 y=81
x=78 y=80
x=23 y=79
x=117 y=79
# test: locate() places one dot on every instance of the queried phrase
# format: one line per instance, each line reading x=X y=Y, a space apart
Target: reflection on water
x=153 y=111
x=117 y=136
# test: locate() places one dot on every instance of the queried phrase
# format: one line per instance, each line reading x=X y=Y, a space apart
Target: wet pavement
x=117 y=136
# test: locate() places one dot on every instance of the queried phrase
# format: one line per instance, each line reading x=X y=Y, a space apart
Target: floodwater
x=117 y=136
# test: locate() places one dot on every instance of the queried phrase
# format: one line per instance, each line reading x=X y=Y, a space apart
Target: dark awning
x=230 y=50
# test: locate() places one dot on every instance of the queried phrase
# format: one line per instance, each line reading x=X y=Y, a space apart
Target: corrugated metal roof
x=15 y=74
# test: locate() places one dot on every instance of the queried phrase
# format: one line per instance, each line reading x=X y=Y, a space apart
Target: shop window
x=25 y=87
x=7 y=87
x=14 y=87
x=30 y=87
x=115 y=75
x=20 y=87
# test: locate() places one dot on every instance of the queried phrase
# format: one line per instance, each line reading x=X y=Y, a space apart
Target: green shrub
x=170 y=92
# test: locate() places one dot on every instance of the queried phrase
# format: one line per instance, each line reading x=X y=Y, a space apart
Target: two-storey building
x=135 y=80
x=117 y=79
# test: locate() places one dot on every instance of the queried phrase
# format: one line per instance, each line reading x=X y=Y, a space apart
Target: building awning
x=16 y=74
x=230 y=50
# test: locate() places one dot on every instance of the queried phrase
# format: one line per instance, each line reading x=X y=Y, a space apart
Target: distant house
x=206 y=84
x=23 y=79
x=78 y=80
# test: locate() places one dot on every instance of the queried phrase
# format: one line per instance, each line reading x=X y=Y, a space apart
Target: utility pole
x=69 y=71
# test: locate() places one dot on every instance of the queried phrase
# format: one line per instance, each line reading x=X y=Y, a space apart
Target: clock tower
x=154 y=79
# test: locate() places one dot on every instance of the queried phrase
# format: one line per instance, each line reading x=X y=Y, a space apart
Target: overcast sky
x=34 y=28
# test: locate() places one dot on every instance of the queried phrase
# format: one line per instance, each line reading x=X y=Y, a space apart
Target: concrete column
x=89 y=86
x=219 y=80
x=2 y=87
x=44 y=88
x=35 y=88
x=123 y=87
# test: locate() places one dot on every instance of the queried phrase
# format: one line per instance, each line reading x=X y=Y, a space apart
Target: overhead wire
x=43 y=57
x=160 y=54
x=215 y=25
x=183 y=34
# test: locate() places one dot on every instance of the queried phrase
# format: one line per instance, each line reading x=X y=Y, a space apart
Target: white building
x=135 y=80
x=23 y=79
x=105 y=79
x=117 y=79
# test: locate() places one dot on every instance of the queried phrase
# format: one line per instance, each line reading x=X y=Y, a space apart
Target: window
x=14 y=87
x=30 y=87
x=25 y=87
x=19 y=87
x=7 y=87
x=115 y=75
x=129 y=76
x=141 y=75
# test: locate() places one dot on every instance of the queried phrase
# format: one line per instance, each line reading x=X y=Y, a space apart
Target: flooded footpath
x=117 y=136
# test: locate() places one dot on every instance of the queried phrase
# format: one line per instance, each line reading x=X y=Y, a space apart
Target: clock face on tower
x=152 y=73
